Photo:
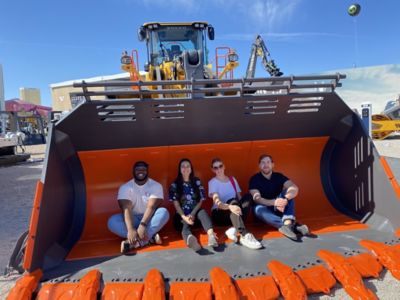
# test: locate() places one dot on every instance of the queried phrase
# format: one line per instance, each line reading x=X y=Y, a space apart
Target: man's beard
x=266 y=174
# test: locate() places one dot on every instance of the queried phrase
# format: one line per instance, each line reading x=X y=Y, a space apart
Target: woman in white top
x=229 y=208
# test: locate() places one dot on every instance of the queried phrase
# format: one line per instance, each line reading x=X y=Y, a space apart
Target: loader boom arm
x=258 y=48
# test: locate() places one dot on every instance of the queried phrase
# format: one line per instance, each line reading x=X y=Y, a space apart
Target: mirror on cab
x=211 y=33
x=141 y=33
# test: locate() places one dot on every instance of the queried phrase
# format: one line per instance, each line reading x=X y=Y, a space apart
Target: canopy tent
x=17 y=105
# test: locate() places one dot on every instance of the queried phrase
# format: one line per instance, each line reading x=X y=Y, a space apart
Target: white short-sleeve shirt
x=139 y=195
x=224 y=190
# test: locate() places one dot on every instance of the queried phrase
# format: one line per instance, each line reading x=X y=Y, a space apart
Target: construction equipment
x=259 y=49
x=388 y=122
x=347 y=192
x=12 y=140
x=175 y=51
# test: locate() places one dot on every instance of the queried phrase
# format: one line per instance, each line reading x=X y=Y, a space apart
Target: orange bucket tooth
x=262 y=287
x=347 y=275
x=122 y=291
x=222 y=285
x=154 y=286
x=290 y=285
x=388 y=256
x=365 y=264
x=190 y=291
x=317 y=279
x=87 y=288
x=25 y=286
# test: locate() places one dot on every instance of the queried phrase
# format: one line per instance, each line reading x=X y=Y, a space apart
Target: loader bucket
x=346 y=192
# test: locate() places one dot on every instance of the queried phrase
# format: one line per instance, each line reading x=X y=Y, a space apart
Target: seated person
x=274 y=195
x=229 y=208
x=141 y=218
x=175 y=51
x=187 y=194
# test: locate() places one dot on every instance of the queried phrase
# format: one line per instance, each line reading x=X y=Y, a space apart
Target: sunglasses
x=217 y=167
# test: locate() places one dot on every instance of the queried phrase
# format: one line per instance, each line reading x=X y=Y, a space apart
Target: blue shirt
x=189 y=198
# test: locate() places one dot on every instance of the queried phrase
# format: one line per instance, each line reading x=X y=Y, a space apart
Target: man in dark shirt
x=273 y=194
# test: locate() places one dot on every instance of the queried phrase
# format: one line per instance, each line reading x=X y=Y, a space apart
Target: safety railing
x=210 y=88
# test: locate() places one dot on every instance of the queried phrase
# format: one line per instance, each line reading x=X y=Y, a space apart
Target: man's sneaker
x=231 y=233
x=302 y=229
x=156 y=239
x=126 y=246
x=193 y=243
x=287 y=231
x=249 y=241
x=212 y=240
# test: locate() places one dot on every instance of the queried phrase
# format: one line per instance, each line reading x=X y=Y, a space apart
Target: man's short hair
x=140 y=163
x=262 y=156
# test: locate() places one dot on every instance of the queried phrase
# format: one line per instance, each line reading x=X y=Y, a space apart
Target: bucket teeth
x=289 y=283
x=347 y=275
x=388 y=256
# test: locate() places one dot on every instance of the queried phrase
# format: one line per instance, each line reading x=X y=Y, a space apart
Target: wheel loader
x=348 y=195
x=388 y=122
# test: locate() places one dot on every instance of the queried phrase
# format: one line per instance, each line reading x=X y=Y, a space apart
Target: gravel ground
x=17 y=186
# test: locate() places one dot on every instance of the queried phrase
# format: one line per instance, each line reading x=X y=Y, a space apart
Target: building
x=31 y=95
x=63 y=93
x=2 y=105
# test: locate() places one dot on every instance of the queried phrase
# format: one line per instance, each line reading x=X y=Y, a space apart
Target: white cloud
x=189 y=6
x=264 y=14
x=271 y=13
x=377 y=84
x=378 y=99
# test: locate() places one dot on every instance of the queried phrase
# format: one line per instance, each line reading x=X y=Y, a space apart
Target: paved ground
x=17 y=186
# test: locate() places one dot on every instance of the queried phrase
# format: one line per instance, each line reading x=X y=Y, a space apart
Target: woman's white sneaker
x=231 y=233
x=193 y=243
x=249 y=241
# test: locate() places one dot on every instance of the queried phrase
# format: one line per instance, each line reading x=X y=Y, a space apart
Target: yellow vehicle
x=176 y=51
x=349 y=197
x=386 y=123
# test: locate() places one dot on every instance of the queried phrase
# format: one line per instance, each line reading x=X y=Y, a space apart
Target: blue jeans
x=116 y=223
x=272 y=216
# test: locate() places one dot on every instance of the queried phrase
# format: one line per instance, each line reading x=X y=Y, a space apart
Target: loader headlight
x=126 y=59
x=232 y=57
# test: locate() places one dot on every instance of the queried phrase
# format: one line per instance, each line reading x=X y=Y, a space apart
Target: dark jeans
x=272 y=216
x=226 y=217
x=201 y=216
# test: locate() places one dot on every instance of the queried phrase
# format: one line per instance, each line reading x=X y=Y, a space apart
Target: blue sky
x=44 y=41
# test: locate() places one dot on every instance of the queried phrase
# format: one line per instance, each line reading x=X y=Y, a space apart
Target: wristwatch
x=143 y=224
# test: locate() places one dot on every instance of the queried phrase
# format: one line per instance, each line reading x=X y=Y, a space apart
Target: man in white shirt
x=141 y=217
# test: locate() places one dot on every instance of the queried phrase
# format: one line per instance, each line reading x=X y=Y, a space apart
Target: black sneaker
x=287 y=230
x=126 y=246
x=302 y=229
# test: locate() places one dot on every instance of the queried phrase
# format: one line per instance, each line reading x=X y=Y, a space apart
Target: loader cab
x=167 y=41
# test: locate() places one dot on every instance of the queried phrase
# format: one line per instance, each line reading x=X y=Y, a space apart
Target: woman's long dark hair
x=192 y=180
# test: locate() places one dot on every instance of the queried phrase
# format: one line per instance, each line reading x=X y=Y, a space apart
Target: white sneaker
x=249 y=241
x=193 y=243
x=156 y=239
x=231 y=233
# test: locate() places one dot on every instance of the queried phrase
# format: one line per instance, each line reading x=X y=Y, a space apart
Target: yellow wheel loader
x=388 y=122
x=348 y=195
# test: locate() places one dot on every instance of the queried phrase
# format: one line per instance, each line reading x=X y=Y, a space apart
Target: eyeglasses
x=218 y=167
